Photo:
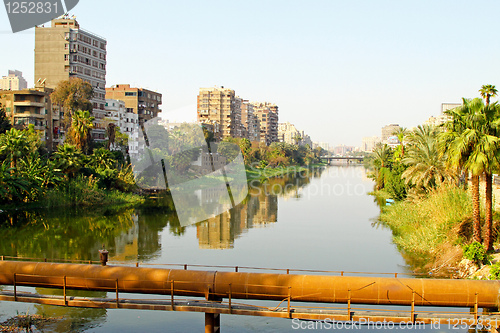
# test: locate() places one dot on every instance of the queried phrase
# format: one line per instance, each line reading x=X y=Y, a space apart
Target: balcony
x=29 y=103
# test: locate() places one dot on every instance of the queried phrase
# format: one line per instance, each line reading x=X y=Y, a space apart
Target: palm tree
x=102 y=159
x=426 y=166
x=471 y=143
x=80 y=129
x=487 y=91
x=111 y=131
x=401 y=133
x=11 y=187
x=297 y=138
x=381 y=155
x=68 y=159
x=15 y=144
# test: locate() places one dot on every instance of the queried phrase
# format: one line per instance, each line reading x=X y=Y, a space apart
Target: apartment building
x=33 y=107
x=65 y=50
x=249 y=122
x=126 y=121
x=388 y=131
x=13 y=81
x=267 y=113
x=220 y=108
x=449 y=106
x=322 y=145
x=288 y=133
x=143 y=102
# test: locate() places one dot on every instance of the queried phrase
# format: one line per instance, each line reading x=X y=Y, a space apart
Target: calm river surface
x=324 y=221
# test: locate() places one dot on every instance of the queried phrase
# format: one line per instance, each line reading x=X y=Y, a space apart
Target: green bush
x=495 y=272
x=476 y=252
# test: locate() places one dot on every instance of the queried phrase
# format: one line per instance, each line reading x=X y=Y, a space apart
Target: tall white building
x=13 y=81
x=287 y=132
x=126 y=120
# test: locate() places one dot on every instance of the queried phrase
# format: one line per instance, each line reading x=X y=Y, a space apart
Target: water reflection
x=258 y=210
x=134 y=234
x=71 y=319
x=62 y=234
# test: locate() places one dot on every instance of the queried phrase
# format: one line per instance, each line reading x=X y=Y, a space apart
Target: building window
x=66 y=46
x=130 y=93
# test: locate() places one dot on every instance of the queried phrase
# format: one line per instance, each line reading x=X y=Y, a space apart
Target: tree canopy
x=73 y=94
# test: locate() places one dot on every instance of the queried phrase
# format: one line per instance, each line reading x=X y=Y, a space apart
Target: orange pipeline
x=214 y=284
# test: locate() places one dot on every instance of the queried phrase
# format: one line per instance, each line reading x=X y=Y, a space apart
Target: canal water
x=325 y=220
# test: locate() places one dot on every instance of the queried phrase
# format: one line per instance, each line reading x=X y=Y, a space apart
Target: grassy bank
x=429 y=230
x=257 y=173
x=83 y=192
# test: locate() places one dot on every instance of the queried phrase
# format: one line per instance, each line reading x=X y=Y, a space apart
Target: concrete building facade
x=267 y=113
x=288 y=133
x=126 y=121
x=143 y=102
x=449 y=106
x=220 y=108
x=388 y=131
x=13 y=81
x=33 y=107
x=250 y=122
x=64 y=50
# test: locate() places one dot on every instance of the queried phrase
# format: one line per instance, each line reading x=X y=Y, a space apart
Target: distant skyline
x=339 y=70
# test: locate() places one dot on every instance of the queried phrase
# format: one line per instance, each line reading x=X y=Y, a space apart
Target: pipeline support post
x=117 y=299
x=412 y=316
x=64 y=290
x=229 y=299
x=15 y=289
x=288 y=303
x=212 y=322
x=172 y=295
x=349 y=304
x=476 y=315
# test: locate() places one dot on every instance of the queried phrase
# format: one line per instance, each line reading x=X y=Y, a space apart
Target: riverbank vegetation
x=80 y=172
x=83 y=172
x=434 y=177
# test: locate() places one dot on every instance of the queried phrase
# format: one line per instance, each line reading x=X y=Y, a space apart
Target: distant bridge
x=349 y=159
x=215 y=293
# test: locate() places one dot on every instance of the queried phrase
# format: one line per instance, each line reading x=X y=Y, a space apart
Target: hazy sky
x=339 y=70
